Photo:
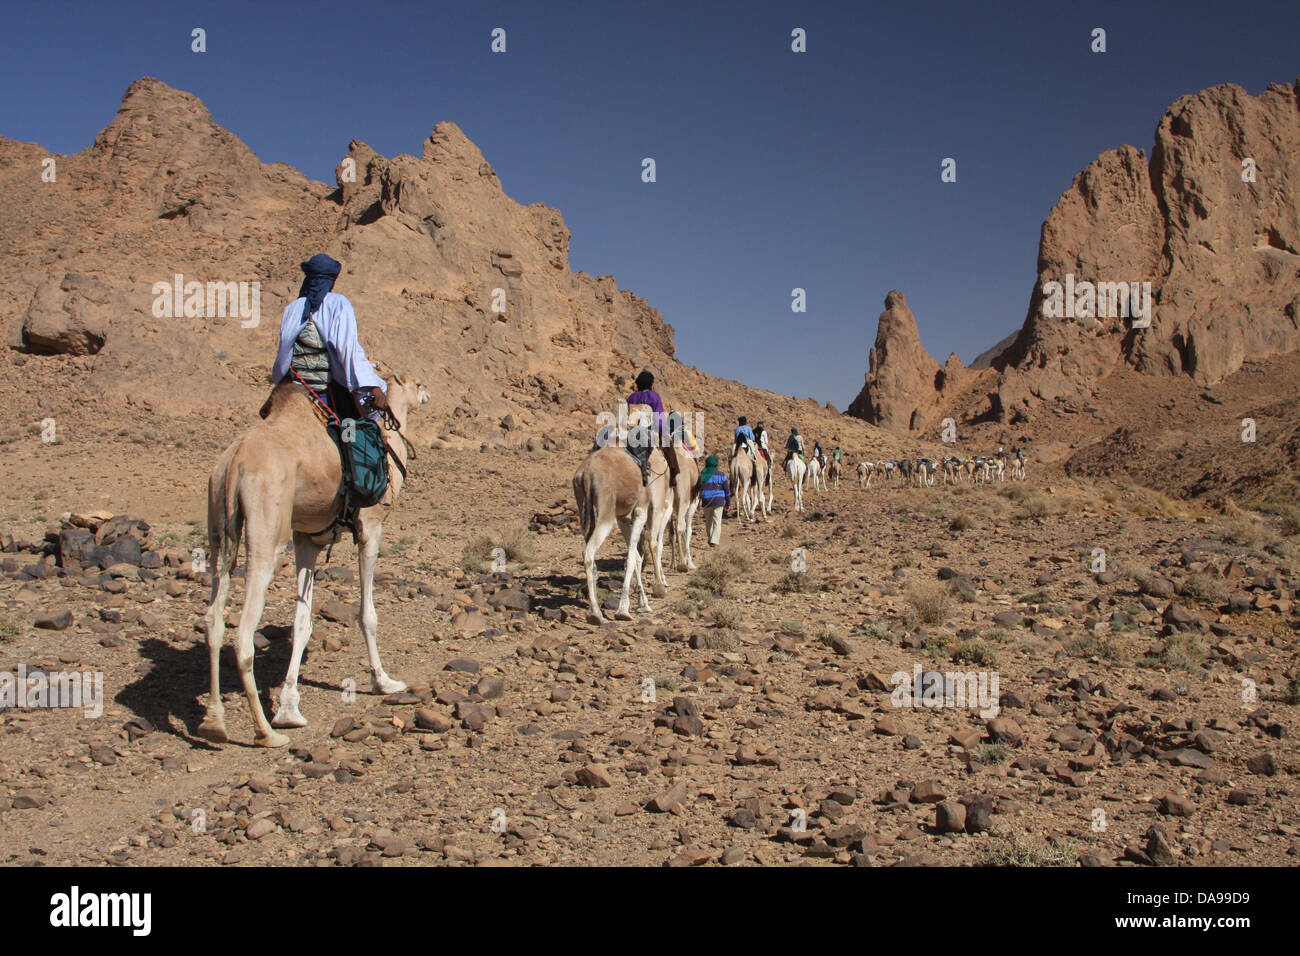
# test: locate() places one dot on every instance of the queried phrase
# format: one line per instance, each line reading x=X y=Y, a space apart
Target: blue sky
x=775 y=170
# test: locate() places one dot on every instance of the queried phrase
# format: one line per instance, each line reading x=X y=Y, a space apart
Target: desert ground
x=1145 y=714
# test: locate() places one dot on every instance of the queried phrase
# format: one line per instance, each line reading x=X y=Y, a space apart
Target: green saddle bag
x=365 y=460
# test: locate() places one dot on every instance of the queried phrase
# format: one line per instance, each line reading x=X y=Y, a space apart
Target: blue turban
x=320 y=272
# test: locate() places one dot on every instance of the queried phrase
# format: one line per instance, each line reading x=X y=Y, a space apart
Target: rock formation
x=452 y=279
x=905 y=387
x=1211 y=220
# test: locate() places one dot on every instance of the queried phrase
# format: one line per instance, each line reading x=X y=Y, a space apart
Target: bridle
x=388 y=421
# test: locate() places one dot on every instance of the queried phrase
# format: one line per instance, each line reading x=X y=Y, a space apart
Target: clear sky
x=775 y=169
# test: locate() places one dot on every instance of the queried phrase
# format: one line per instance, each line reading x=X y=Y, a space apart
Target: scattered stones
x=668 y=799
x=928 y=791
x=595 y=775
x=1005 y=730
x=950 y=817
x=54 y=621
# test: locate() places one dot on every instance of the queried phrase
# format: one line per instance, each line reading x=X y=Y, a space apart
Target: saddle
x=363 y=455
x=638 y=439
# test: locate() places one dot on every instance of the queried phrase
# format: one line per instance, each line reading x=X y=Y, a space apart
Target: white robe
x=337 y=324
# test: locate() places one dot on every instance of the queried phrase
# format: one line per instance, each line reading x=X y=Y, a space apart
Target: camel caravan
x=331 y=455
x=952 y=470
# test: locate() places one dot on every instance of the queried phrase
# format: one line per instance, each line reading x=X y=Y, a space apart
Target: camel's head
x=404 y=394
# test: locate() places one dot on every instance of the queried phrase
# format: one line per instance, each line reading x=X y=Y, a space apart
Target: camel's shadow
x=169 y=693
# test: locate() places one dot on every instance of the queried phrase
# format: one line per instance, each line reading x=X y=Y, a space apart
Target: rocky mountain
x=905 y=388
x=1211 y=220
x=452 y=280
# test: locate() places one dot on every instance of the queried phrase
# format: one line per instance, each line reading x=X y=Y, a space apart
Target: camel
x=795 y=471
x=744 y=486
x=832 y=473
x=608 y=490
x=866 y=471
x=763 y=480
x=815 y=473
x=279 y=483
x=906 y=468
x=686 y=499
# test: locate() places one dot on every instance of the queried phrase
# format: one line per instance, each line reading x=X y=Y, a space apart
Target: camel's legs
x=260 y=571
x=305 y=552
x=213 y=727
x=604 y=525
x=658 y=527
x=631 y=528
x=368 y=539
x=689 y=522
x=680 y=529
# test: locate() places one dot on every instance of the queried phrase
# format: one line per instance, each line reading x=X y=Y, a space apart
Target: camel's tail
x=586 y=511
x=225 y=520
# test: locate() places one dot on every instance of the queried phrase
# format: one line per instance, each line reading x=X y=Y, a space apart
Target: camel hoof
x=386 y=685
x=288 y=717
x=213 y=731
x=272 y=740
x=594 y=617
x=622 y=614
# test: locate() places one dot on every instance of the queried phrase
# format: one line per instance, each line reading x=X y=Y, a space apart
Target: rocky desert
x=939 y=661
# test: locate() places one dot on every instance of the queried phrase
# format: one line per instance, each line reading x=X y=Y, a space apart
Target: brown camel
x=743 y=484
x=278 y=483
x=832 y=474
x=686 y=499
x=608 y=490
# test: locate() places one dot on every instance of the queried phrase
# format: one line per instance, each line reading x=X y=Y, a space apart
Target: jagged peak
x=151 y=91
x=448 y=145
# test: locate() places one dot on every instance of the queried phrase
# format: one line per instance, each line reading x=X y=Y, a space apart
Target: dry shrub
x=931 y=600
x=793 y=582
x=517 y=541
x=725 y=614
x=1206 y=587
x=1038 y=506
x=1250 y=533
x=719 y=574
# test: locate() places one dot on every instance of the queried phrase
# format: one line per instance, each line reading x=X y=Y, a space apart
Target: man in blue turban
x=318 y=341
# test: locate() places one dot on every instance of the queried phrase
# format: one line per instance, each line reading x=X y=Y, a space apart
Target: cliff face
x=1208 y=228
x=1211 y=221
x=452 y=280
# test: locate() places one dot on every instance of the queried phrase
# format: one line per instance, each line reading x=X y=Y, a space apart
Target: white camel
x=795 y=470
